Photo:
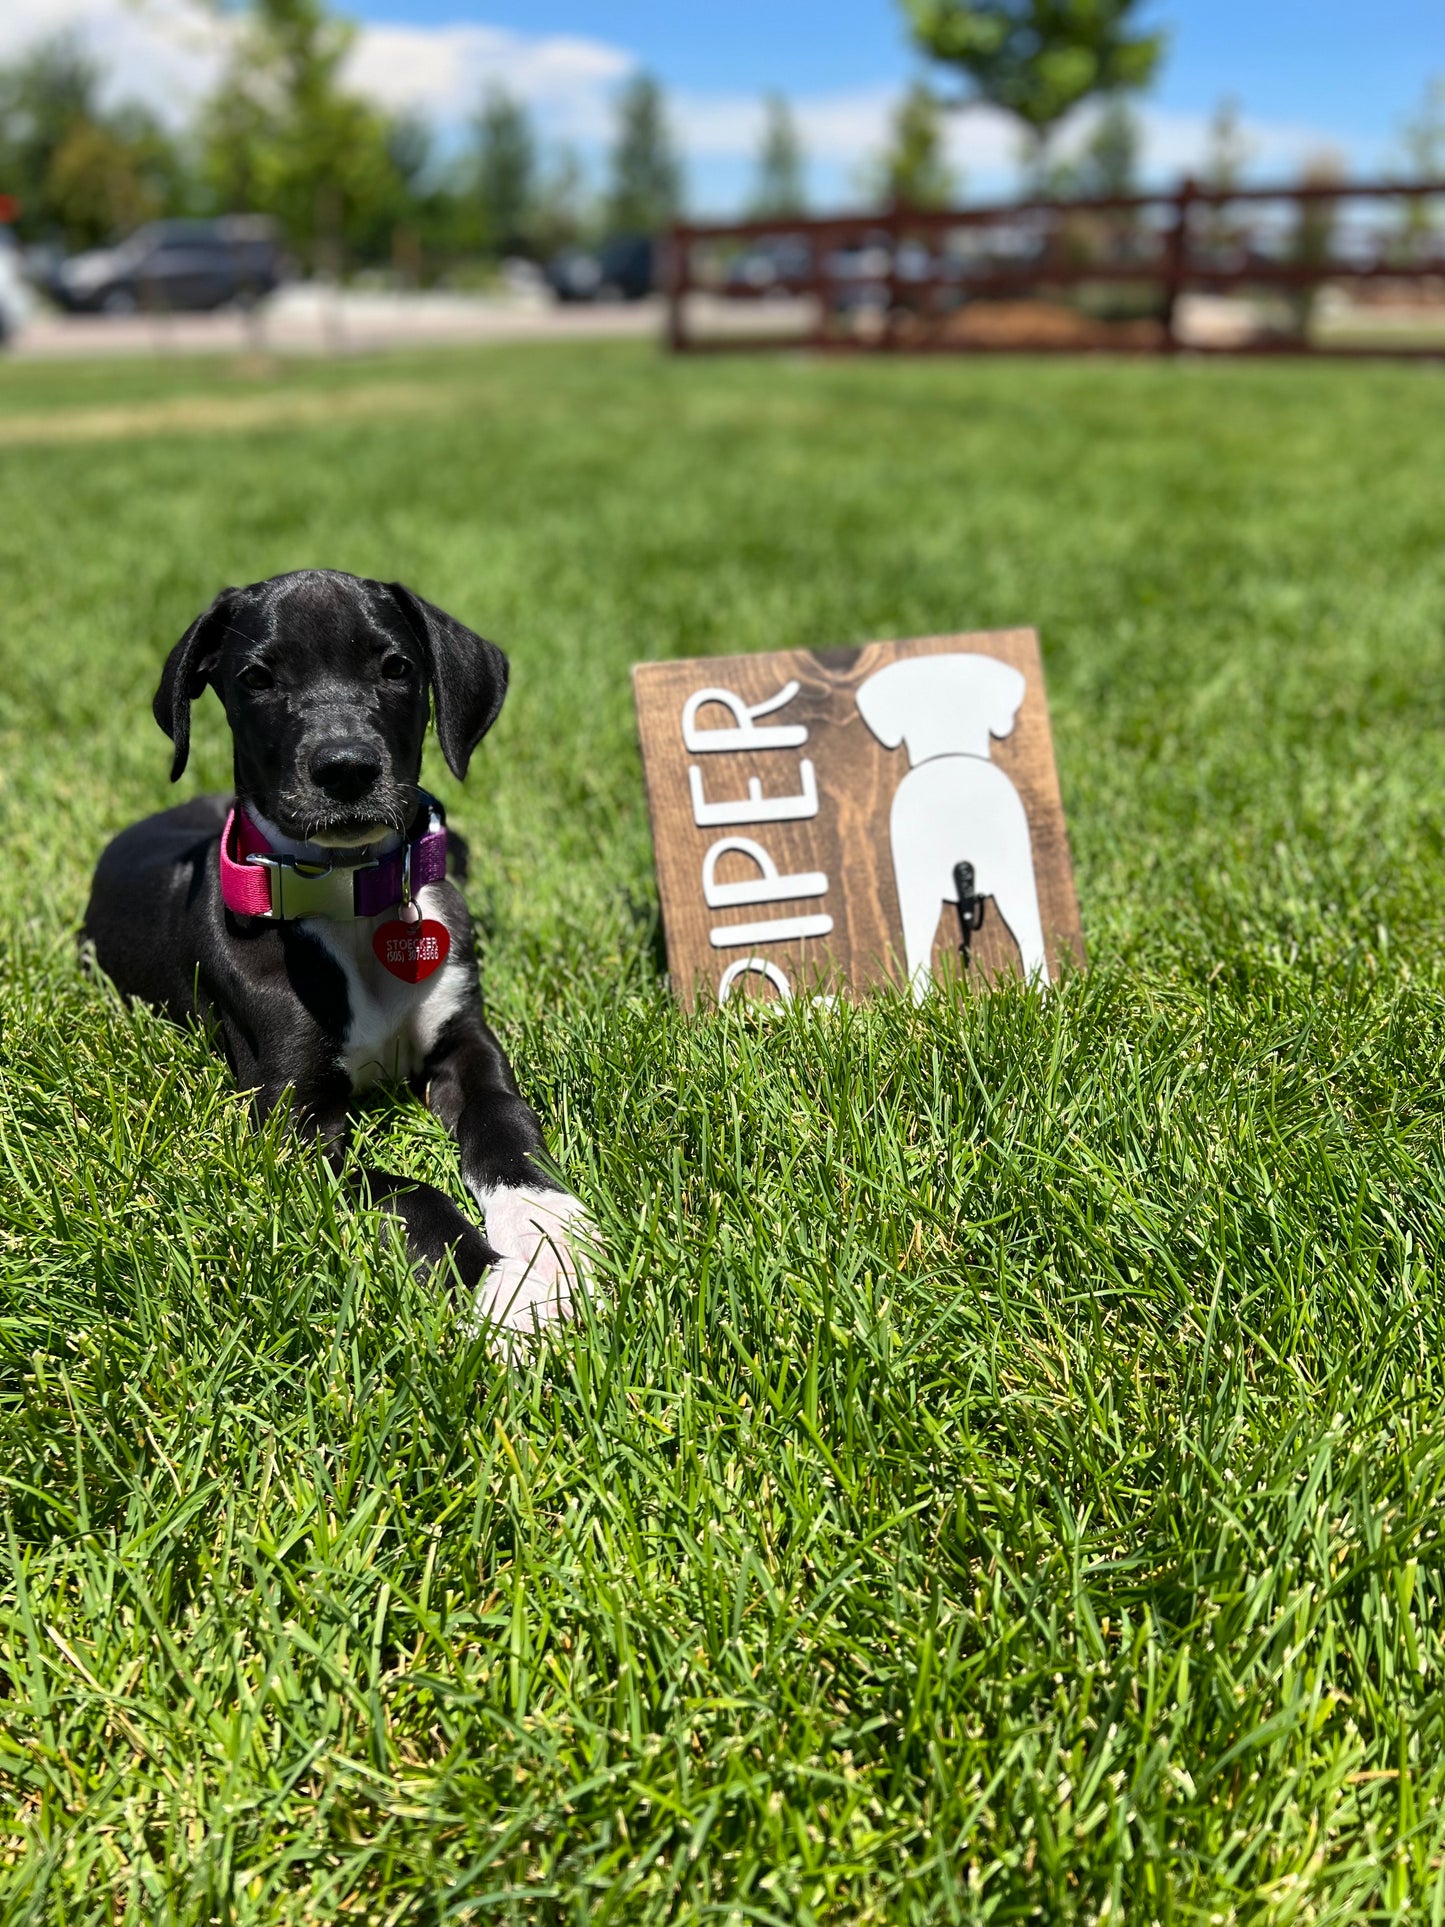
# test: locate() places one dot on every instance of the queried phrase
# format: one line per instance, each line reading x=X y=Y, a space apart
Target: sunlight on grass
x=1002 y=1476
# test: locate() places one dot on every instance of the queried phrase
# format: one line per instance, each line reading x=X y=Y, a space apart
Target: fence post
x=821 y=276
x=1176 y=260
x=675 y=275
x=894 y=223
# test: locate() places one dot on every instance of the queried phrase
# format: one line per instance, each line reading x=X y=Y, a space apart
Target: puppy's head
x=326 y=681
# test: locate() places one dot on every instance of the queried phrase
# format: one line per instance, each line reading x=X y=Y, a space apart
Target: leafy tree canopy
x=1423 y=136
x=81 y=172
x=506 y=171
x=562 y=207
x=1107 y=162
x=779 y=188
x=913 y=169
x=1037 y=59
x=1423 y=139
x=1227 y=148
x=283 y=136
x=646 y=189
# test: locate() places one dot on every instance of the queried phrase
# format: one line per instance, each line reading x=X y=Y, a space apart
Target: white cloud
x=1176 y=143
x=168 y=53
x=836 y=129
x=841 y=130
x=442 y=71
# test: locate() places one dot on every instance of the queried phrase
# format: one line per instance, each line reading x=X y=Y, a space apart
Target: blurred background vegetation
x=284 y=132
x=283 y=135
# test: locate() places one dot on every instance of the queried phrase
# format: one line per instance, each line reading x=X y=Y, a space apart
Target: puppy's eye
x=396 y=669
x=256 y=676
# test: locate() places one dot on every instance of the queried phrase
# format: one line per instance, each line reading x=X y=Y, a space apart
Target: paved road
x=320 y=321
x=317 y=321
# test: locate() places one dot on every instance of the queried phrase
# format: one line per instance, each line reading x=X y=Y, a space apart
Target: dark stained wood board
x=944 y=719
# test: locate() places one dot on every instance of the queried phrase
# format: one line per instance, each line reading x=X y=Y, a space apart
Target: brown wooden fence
x=1329 y=268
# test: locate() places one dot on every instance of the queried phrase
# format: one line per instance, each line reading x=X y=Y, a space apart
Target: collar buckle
x=302 y=889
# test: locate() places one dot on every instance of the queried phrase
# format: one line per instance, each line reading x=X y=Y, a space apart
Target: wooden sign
x=810 y=809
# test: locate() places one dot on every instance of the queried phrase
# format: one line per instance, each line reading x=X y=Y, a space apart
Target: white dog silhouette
x=954 y=805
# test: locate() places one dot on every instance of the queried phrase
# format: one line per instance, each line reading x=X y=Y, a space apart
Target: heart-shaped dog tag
x=412 y=951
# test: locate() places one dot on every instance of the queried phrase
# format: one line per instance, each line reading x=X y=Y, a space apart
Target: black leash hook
x=970 y=907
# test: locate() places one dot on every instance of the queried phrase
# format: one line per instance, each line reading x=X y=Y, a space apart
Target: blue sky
x=1331 y=72
x=1340 y=60
x=1334 y=74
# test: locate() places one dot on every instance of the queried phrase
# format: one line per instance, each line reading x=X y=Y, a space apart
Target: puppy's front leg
x=437 y=1234
x=542 y=1231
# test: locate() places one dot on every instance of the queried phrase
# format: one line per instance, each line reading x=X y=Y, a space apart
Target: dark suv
x=622 y=269
x=173 y=265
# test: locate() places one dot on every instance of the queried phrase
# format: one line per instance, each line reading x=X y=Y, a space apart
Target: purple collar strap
x=256 y=881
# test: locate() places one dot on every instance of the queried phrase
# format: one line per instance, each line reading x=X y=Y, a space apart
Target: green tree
x=411 y=146
x=561 y=215
x=1109 y=161
x=44 y=96
x=1104 y=165
x=1037 y=59
x=779 y=188
x=1227 y=154
x=1227 y=148
x=646 y=176
x=81 y=173
x=913 y=170
x=1315 y=227
x=1423 y=136
x=427 y=214
x=1422 y=140
x=95 y=187
x=505 y=172
x=283 y=136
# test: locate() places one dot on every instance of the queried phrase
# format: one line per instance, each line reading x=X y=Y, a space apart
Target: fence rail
x=1113 y=270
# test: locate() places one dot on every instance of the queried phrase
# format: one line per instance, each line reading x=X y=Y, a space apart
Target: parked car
x=772 y=265
x=15 y=297
x=173 y=265
x=859 y=274
x=622 y=269
x=865 y=273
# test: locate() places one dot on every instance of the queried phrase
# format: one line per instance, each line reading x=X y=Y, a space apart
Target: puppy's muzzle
x=345 y=770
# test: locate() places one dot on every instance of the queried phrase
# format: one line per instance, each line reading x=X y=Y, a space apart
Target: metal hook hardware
x=409 y=912
x=971 y=907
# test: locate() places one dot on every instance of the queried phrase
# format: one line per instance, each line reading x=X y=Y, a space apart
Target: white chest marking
x=393 y=1024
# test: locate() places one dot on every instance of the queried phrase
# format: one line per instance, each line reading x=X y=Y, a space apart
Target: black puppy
x=311 y=919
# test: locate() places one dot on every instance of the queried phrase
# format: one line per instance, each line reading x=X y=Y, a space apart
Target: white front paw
x=545 y=1268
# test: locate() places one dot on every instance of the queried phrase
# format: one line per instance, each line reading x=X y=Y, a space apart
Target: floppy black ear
x=188 y=669
x=468 y=676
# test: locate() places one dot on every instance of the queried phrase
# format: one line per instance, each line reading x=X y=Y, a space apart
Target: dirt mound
x=1030 y=324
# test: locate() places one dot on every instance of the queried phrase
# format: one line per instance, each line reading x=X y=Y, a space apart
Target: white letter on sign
x=767 y=888
x=754 y=807
x=746 y=735
x=729 y=936
x=764 y=969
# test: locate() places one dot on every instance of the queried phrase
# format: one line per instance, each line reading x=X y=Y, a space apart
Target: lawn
x=1002 y=1476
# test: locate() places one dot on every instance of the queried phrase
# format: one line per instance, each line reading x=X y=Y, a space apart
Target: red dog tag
x=412 y=951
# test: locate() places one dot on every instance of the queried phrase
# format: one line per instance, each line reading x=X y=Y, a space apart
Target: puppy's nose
x=346 y=770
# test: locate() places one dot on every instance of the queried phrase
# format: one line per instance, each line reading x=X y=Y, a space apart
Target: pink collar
x=258 y=882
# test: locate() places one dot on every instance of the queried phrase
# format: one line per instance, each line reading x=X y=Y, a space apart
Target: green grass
x=1003 y=1476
